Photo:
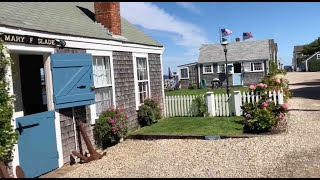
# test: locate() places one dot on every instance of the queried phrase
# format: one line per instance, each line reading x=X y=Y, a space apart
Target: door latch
x=81 y=87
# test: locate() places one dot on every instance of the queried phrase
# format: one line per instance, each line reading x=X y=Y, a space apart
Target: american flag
x=247 y=35
x=226 y=32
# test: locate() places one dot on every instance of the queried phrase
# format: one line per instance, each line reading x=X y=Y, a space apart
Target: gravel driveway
x=294 y=154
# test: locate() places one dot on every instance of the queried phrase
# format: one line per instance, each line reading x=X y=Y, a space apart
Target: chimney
x=108 y=14
x=237 y=39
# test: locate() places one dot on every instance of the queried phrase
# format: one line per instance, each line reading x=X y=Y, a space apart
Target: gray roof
x=237 y=51
x=189 y=64
x=65 y=18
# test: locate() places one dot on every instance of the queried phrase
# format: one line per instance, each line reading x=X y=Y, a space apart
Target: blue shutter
x=72 y=80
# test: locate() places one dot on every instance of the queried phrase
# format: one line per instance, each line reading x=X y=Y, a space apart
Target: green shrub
x=192 y=85
x=199 y=107
x=154 y=104
x=314 y=66
x=110 y=128
x=146 y=115
x=8 y=136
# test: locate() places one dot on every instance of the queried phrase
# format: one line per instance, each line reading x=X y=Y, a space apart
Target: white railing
x=218 y=104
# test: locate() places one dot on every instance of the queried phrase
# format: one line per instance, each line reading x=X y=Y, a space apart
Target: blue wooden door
x=72 y=80
x=37 y=143
x=237 y=79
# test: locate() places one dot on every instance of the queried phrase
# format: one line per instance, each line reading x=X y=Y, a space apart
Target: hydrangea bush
x=261 y=116
x=110 y=128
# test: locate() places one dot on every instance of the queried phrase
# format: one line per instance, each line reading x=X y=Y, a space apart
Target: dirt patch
x=299 y=165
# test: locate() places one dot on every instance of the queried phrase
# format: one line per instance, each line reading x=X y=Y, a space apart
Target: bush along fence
x=217 y=104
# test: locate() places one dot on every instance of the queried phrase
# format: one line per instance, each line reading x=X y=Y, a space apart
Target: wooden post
x=211 y=105
x=237 y=102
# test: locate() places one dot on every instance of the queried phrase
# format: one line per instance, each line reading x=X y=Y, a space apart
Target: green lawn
x=203 y=91
x=194 y=126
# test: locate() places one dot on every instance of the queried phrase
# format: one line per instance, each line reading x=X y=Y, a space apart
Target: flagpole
x=220 y=36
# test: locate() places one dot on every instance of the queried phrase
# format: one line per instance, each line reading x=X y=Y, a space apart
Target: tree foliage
x=311 y=48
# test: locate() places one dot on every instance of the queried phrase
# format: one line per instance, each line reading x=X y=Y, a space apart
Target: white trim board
x=89 y=43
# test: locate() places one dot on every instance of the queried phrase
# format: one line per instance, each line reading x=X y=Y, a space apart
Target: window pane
x=103 y=98
x=184 y=73
x=142 y=72
x=101 y=71
x=257 y=66
x=143 y=91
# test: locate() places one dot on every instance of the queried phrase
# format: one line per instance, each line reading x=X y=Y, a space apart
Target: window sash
x=103 y=99
x=208 y=69
x=184 y=73
x=101 y=71
x=142 y=71
x=257 y=66
x=221 y=68
x=318 y=56
x=143 y=91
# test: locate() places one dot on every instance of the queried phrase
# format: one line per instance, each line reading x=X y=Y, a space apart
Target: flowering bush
x=110 y=128
x=264 y=114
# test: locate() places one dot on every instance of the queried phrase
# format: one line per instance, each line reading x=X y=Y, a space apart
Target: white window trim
x=318 y=56
x=135 y=56
x=219 y=70
x=257 y=70
x=180 y=72
x=93 y=111
x=204 y=69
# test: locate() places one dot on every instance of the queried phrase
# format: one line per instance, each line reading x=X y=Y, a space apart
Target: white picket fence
x=218 y=104
x=179 y=105
x=250 y=97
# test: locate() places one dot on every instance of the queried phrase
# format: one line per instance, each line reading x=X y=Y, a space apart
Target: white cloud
x=189 y=6
x=150 y=16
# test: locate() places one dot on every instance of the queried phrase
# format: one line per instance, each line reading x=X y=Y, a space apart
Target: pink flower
x=252 y=87
x=114 y=130
x=281 y=116
x=265 y=85
x=278 y=81
x=285 y=106
x=112 y=121
x=264 y=104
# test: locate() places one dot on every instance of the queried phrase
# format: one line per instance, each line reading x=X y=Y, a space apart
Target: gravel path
x=293 y=154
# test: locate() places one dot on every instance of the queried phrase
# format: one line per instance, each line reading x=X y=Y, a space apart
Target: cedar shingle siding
x=124 y=86
x=155 y=77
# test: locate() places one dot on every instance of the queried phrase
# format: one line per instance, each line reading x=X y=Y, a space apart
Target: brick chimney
x=108 y=14
x=237 y=39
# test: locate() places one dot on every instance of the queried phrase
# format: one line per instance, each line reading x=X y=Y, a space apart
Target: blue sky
x=183 y=26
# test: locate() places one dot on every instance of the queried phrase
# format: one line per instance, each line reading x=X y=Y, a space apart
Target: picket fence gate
x=218 y=104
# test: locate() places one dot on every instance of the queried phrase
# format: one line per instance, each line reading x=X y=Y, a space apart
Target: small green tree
x=8 y=136
x=314 y=66
x=311 y=48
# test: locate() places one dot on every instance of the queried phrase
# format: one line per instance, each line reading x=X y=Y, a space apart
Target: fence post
x=210 y=103
x=237 y=102
x=280 y=96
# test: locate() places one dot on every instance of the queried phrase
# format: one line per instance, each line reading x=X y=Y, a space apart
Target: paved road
x=294 y=154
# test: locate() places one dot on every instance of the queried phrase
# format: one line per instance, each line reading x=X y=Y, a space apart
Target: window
x=318 y=56
x=184 y=73
x=207 y=69
x=103 y=83
x=257 y=66
x=221 y=68
x=142 y=74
